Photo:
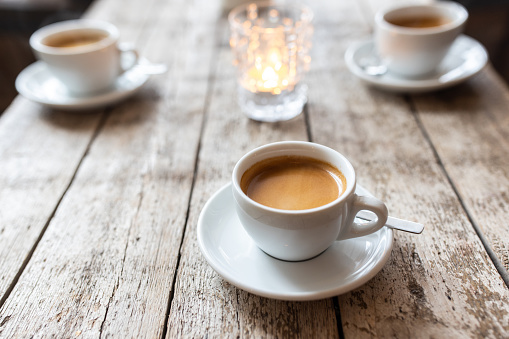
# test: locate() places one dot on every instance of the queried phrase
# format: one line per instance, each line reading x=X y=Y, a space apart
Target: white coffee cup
x=295 y=235
x=83 y=54
x=415 y=50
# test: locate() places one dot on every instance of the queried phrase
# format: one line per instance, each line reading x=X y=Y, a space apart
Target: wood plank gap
x=105 y=315
x=307 y=121
x=237 y=316
x=208 y=97
x=504 y=274
x=179 y=256
x=115 y=288
x=32 y=250
x=335 y=300
x=339 y=322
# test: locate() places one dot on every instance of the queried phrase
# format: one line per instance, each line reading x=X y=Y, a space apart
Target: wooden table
x=98 y=211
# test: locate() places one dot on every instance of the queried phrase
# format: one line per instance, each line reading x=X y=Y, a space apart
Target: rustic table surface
x=99 y=210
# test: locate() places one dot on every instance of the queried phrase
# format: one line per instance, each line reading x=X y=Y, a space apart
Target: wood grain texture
x=423 y=291
x=40 y=151
x=204 y=304
x=106 y=262
x=468 y=128
x=440 y=283
x=112 y=198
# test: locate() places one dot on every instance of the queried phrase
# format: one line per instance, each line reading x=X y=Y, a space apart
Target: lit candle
x=269 y=74
x=270 y=44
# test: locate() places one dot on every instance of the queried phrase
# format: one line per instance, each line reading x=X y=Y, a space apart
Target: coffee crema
x=74 y=40
x=293 y=182
x=421 y=21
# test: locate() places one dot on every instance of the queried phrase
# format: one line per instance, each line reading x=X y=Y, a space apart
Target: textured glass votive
x=271 y=44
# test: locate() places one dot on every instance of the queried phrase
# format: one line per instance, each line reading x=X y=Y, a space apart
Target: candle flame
x=270 y=78
x=269 y=73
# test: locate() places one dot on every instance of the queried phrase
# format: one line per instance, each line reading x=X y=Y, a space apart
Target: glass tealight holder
x=271 y=43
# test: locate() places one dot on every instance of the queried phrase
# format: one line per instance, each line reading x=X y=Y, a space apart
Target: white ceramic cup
x=416 y=52
x=295 y=235
x=85 y=69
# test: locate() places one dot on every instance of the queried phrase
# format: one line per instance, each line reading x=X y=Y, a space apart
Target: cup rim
x=460 y=17
x=307 y=12
x=350 y=184
x=37 y=38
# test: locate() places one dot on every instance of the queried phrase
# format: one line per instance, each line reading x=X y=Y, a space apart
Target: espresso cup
x=83 y=54
x=413 y=40
x=295 y=199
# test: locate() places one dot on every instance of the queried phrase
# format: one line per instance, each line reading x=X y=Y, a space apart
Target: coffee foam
x=74 y=39
x=293 y=182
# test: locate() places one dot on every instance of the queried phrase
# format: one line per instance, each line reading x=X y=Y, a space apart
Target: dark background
x=18 y=20
x=488 y=23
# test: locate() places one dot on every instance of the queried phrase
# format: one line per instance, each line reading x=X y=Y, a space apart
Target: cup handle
x=354 y=229
x=128 y=56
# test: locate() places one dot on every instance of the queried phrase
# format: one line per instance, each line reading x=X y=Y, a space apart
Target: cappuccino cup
x=413 y=40
x=295 y=199
x=83 y=54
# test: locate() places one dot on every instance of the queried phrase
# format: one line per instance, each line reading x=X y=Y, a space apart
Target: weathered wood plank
x=204 y=304
x=437 y=283
x=118 y=233
x=52 y=144
x=53 y=141
x=106 y=263
x=469 y=128
x=39 y=151
x=179 y=128
x=440 y=283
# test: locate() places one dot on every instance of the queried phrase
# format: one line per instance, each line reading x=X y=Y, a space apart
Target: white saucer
x=36 y=83
x=346 y=265
x=465 y=59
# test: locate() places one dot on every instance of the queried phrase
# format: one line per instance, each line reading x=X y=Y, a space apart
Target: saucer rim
x=374 y=264
x=403 y=85
x=77 y=103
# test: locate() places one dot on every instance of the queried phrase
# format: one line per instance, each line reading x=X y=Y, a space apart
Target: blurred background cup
x=83 y=54
x=413 y=40
x=270 y=44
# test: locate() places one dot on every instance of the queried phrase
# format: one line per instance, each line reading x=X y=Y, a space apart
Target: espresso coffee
x=74 y=40
x=293 y=182
x=421 y=21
